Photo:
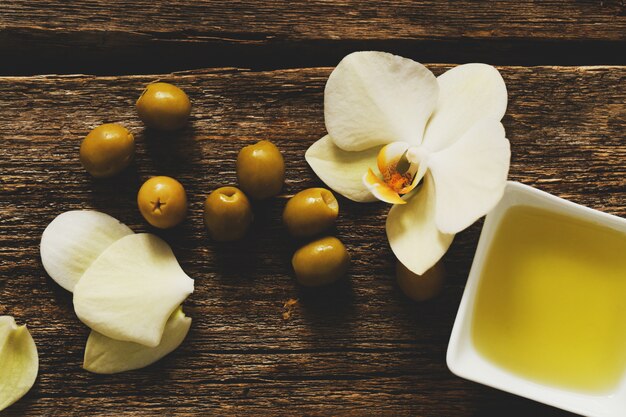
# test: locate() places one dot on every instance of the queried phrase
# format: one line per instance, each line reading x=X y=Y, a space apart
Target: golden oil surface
x=551 y=304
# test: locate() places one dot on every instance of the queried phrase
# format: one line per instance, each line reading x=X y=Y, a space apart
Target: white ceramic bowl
x=465 y=361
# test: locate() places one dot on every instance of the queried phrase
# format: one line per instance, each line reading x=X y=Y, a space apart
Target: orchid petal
x=412 y=232
x=104 y=355
x=470 y=175
x=380 y=189
x=340 y=170
x=467 y=94
x=375 y=98
x=73 y=240
x=131 y=290
x=19 y=361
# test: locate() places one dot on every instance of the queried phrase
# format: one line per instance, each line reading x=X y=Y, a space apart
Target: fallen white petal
x=104 y=355
x=340 y=170
x=467 y=94
x=19 y=362
x=374 y=98
x=130 y=291
x=412 y=232
x=73 y=240
x=470 y=175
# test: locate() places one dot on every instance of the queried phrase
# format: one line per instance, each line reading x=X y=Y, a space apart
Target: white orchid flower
x=385 y=111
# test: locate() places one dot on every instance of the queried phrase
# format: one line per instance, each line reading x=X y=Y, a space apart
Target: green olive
x=162 y=202
x=163 y=106
x=107 y=150
x=260 y=170
x=310 y=212
x=321 y=262
x=227 y=214
x=420 y=287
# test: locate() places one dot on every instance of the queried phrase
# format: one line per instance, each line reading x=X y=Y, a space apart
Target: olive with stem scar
x=310 y=212
x=162 y=202
x=227 y=214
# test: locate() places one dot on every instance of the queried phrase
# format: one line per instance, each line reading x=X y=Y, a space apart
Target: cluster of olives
x=261 y=174
x=108 y=149
x=310 y=213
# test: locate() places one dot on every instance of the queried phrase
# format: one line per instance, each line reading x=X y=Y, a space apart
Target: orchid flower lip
x=401 y=167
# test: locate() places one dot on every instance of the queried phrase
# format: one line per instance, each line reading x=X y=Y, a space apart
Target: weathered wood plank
x=319 y=19
x=103 y=37
x=356 y=348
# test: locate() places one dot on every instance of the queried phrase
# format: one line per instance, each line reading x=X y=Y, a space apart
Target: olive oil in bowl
x=551 y=303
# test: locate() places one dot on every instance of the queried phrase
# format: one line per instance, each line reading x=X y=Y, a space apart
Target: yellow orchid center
x=399 y=167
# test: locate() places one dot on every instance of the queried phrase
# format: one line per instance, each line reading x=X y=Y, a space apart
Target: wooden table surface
x=256 y=70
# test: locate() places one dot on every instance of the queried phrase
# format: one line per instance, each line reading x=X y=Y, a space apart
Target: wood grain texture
x=323 y=19
x=356 y=348
x=105 y=37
